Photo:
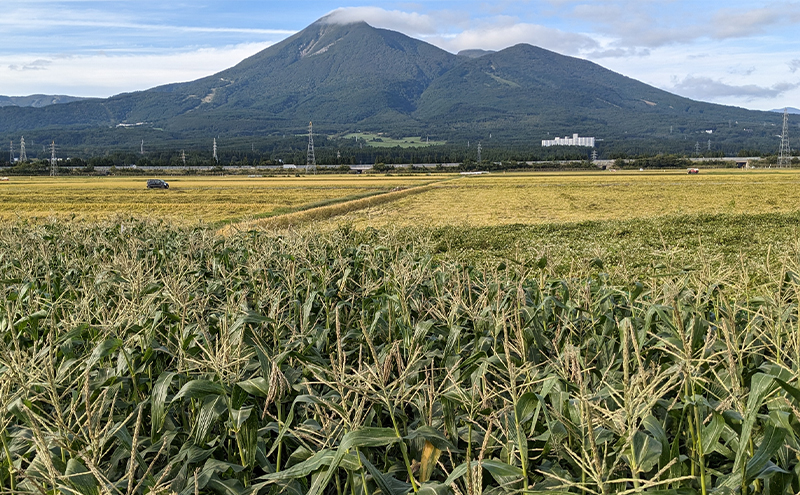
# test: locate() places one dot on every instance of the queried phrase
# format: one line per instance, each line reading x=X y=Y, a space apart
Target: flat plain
x=551 y=198
x=480 y=201
x=189 y=200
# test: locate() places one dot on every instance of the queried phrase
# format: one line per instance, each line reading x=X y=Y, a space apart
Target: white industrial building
x=575 y=140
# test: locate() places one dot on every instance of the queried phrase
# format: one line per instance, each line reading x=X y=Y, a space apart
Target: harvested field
x=189 y=200
x=503 y=199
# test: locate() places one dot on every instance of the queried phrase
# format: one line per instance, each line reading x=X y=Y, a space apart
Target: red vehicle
x=693 y=171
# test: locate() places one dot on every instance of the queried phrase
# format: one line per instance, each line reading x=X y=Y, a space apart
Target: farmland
x=482 y=201
x=189 y=199
x=624 y=348
x=504 y=199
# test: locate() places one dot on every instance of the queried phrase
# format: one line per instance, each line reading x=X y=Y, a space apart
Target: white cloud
x=494 y=33
x=742 y=23
x=90 y=18
x=405 y=22
x=104 y=75
x=499 y=35
x=617 y=53
x=738 y=70
x=38 y=64
x=706 y=88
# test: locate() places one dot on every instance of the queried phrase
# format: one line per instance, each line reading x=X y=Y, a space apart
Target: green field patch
x=380 y=140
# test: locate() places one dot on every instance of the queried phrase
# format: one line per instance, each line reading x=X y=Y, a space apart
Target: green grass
x=379 y=140
x=143 y=357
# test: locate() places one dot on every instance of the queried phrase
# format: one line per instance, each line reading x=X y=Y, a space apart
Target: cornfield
x=143 y=358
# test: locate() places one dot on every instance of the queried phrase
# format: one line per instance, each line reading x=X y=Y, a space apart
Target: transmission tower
x=183 y=157
x=709 y=145
x=141 y=149
x=11 y=152
x=215 y=151
x=785 y=155
x=22 y=156
x=479 y=153
x=53 y=160
x=311 y=160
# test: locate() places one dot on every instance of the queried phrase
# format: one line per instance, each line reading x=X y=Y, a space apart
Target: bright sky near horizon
x=733 y=52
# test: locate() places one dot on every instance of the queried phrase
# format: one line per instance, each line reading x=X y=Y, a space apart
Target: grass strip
x=323 y=212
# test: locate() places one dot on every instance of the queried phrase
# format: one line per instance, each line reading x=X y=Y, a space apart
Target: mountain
x=355 y=77
x=36 y=101
x=790 y=110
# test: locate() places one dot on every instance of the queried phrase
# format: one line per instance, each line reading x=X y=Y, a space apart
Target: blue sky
x=732 y=52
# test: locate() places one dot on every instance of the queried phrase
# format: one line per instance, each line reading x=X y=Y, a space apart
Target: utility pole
x=22 y=156
x=785 y=155
x=311 y=160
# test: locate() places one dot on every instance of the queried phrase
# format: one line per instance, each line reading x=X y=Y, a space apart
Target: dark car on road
x=157 y=184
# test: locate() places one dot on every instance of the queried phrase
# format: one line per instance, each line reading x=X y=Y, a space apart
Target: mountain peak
x=339 y=18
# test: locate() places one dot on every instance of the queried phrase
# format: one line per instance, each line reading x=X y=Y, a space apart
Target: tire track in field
x=328 y=211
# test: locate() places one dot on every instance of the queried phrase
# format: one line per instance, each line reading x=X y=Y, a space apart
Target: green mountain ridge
x=355 y=77
x=36 y=101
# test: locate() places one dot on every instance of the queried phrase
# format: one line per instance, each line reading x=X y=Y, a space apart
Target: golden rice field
x=189 y=199
x=488 y=200
x=503 y=199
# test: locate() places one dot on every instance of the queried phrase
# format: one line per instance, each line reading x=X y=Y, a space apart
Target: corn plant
x=138 y=357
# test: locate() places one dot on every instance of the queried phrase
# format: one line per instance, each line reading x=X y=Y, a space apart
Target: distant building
x=575 y=140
